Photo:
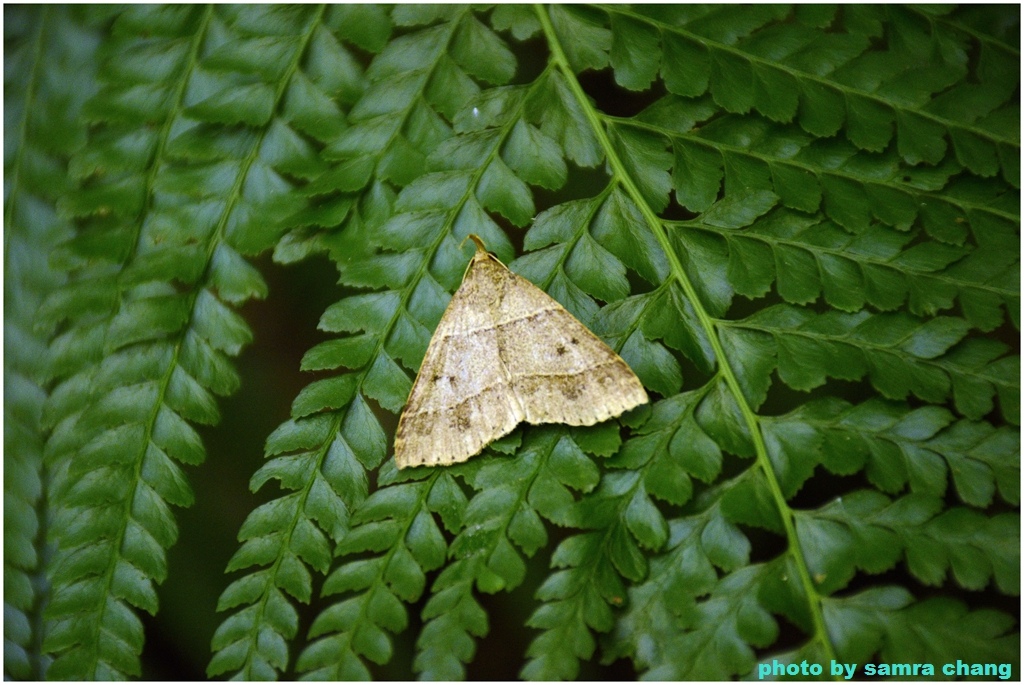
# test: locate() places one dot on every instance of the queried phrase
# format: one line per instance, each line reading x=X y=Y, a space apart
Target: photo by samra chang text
x=955 y=669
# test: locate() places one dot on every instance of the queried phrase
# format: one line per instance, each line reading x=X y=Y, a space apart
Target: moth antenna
x=480 y=247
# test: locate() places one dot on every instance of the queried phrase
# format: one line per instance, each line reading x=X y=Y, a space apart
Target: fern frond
x=853 y=187
x=182 y=172
x=800 y=71
x=867 y=530
x=418 y=280
x=514 y=495
x=749 y=244
x=393 y=124
x=416 y=81
x=278 y=70
x=898 y=446
x=899 y=353
x=579 y=599
x=910 y=356
x=665 y=603
x=43 y=104
x=806 y=204
x=397 y=521
x=322 y=460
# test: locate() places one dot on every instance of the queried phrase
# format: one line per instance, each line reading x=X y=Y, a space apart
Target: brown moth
x=505 y=352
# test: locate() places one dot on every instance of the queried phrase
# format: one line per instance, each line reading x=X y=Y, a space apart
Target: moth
x=505 y=352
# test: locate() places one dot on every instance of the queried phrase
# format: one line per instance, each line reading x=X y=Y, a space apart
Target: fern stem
x=619 y=172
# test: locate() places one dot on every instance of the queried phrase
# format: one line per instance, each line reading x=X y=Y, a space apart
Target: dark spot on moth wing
x=438 y=377
x=574 y=341
x=459 y=419
x=560 y=349
x=570 y=388
x=419 y=424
